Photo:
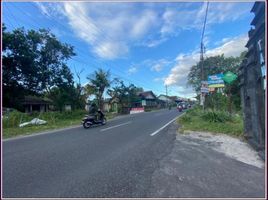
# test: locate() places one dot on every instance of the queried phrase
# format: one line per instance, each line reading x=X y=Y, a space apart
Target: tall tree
x=33 y=62
x=215 y=65
x=100 y=80
x=126 y=95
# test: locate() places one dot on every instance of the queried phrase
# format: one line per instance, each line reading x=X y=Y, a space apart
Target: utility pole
x=202 y=97
x=167 y=95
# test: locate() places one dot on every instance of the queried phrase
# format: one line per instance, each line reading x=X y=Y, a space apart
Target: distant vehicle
x=184 y=106
x=179 y=107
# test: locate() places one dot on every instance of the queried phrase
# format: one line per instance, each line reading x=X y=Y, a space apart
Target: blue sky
x=148 y=44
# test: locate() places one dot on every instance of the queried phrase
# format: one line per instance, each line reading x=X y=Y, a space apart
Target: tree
x=33 y=62
x=126 y=95
x=100 y=80
x=215 y=65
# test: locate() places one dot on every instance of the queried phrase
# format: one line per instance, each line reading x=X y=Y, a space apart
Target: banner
x=215 y=81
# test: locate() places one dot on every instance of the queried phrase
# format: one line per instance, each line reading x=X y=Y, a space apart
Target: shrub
x=185 y=118
x=216 y=116
x=13 y=119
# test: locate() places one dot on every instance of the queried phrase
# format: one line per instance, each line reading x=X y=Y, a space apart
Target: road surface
x=115 y=160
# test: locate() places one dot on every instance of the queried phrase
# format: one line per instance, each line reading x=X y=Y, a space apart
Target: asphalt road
x=115 y=160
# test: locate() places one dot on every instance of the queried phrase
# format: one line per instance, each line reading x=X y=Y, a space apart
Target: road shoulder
x=205 y=165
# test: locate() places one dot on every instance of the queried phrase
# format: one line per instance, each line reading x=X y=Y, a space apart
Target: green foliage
x=13 y=119
x=216 y=116
x=216 y=122
x=100 y=80
x=216 y=101
x=213 y=65
x=33 y=62
x=126 y=95
x=185 y=118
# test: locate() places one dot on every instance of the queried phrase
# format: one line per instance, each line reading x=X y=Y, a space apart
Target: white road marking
x=157 y=131
x=105 y=129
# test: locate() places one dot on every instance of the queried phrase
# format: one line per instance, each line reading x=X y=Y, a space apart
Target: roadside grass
x=55 y=120
x=211 y=121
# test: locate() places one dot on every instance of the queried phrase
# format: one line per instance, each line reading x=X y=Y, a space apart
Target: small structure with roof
x=36 y=104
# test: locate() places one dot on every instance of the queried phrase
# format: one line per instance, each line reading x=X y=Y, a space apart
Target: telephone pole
x=167 y=95
x=202 y=97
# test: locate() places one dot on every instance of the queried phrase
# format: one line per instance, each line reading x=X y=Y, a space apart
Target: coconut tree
x=100 y=80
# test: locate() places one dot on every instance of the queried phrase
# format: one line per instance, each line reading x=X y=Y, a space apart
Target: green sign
x=229 y=77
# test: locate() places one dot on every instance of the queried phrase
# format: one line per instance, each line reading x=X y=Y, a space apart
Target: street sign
x=204 y=87
x=229 y=77
x=204 y=90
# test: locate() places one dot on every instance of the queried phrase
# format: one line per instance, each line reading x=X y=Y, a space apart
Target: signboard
x=204 y=87
x=229 y=77
x=215 y=81
x=204 y=90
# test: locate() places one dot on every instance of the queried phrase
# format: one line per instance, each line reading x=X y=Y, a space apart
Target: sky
x=152 y=45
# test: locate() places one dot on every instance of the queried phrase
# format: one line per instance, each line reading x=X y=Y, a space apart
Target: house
x=111 y=105
x=37 y=104
x=164 y=100
x=147 y=100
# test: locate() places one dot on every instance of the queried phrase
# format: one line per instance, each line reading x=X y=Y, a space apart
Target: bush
x=216 y=116
x=13 y=119
x=185 y=118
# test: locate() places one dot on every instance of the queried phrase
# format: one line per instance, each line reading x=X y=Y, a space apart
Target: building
x=147 y=100
x=252 y=76
x=36 y=104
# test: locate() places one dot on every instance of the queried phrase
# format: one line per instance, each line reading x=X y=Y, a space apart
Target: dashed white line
x=105 y=129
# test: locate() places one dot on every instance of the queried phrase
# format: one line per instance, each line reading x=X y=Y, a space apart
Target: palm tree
x=100 y=80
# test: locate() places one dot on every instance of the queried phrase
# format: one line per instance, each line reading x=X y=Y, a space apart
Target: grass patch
x=55 y=120
x=209 y=121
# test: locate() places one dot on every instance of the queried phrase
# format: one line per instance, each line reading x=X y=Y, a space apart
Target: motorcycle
x=179 y=108
x=89 y=120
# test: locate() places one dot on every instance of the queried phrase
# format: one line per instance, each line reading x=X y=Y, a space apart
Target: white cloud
x=132 y=70
x=175 y=20
x=184 y=62
x=158 y=65
x=111 y=29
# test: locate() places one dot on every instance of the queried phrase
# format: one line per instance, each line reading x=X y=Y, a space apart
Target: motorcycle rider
x=93 y=110
x=96 y=112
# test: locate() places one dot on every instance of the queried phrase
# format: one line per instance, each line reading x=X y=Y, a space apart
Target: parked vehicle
x=90 y=120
